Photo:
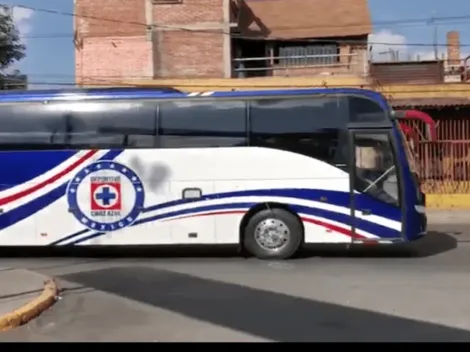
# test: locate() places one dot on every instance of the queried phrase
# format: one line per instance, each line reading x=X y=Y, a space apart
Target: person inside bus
x=375 y=171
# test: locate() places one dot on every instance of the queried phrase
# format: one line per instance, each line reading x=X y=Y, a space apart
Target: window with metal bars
x=167 y=2
x=308 y=55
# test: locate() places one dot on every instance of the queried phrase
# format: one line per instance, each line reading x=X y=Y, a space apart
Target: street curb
x=32 y=309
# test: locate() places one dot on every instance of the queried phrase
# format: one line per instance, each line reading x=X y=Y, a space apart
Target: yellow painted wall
x=445 y=90
x=448 y=201
x=399 y=91
x=221 y=84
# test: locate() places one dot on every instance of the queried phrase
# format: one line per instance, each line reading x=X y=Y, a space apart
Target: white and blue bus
x=268 y=171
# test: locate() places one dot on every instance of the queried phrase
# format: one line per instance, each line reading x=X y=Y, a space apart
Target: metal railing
x=288 y=65
x=444 y=166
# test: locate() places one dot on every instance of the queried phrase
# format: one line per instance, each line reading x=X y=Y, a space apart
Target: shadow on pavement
x=101 y=252
x=460 y=231
x=432 y=244
x=266 y=314
x=435 y=242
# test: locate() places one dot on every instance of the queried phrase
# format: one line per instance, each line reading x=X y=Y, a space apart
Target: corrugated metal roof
x=422 y=72
x=426 y=102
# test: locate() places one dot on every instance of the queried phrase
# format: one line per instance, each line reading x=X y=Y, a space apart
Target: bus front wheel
x=273 y=234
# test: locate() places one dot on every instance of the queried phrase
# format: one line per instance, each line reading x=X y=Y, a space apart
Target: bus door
x=375 y=189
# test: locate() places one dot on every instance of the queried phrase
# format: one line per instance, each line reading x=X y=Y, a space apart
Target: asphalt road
x=417 y=294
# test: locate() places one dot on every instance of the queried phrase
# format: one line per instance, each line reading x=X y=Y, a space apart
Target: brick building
x=126 y=39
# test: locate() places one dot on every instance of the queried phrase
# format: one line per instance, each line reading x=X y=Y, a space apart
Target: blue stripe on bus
x=22 y=212
x=23 y=166
x=381 y=231
x=337 y=198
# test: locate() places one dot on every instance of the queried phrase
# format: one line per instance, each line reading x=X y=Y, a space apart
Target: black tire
x=291 y=245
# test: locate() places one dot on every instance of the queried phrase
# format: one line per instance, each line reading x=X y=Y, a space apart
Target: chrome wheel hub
x=272 y=234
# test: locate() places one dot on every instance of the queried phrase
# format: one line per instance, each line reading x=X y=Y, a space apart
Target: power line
x=340 y=41
x=402 y=22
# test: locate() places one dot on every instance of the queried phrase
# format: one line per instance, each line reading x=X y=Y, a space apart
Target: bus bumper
x=424 y=224
x=423 y=220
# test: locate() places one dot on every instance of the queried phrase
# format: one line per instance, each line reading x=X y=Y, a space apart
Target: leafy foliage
x=11 y=49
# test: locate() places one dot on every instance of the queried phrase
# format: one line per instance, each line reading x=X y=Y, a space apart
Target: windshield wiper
x=372 y=184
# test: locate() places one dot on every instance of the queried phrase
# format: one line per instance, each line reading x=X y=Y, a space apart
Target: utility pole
x=432 y=22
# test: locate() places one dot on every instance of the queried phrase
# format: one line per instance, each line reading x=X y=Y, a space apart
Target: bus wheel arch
x=278 y=214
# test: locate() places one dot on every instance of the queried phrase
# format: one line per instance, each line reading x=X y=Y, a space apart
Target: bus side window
x=202 y=124
x=30 y=126
x=110 y=124
x=77 y=125
x=313 y=126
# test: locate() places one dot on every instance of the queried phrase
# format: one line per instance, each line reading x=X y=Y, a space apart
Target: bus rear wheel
x=273 y=234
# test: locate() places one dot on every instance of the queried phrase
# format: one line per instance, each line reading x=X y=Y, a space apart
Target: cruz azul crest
x=106 y=196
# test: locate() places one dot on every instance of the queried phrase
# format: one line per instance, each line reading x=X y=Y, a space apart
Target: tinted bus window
x=278 y=116
x=110 y=124
x=191 y=124
x=28 y=126
x=315 y=127
x=362 y=109
x=79 y=125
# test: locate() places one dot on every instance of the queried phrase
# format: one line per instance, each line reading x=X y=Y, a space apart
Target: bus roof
x=164 y=92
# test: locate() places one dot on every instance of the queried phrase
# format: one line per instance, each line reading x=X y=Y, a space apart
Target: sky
x=49 y=41
x=405 y=37
x=50 y=50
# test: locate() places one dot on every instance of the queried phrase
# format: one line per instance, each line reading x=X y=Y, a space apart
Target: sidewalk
x=441 y=217
x=23 y=295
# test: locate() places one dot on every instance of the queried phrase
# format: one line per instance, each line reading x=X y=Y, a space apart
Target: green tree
x=11 y=50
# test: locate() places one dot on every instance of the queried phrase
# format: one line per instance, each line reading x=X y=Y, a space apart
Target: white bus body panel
x=165 y=174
